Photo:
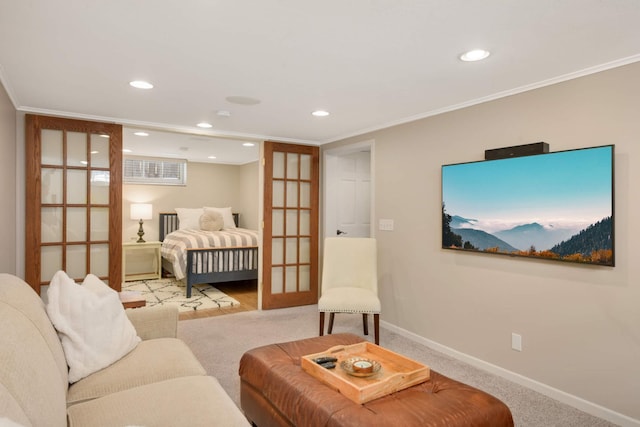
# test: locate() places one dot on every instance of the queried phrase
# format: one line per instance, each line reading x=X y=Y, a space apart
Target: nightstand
x=147 y=253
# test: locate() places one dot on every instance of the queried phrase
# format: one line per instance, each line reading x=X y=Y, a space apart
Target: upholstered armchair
x=350 y=281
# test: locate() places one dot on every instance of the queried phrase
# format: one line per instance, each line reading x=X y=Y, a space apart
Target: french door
x=290 y=233
x=73 y=200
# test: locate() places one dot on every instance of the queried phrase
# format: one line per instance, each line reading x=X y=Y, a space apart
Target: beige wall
x=7 y=184
x=580 y=325
x=207 y=185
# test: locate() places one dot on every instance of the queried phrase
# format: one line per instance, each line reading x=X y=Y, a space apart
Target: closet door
x=290 y=235
x=73 y=200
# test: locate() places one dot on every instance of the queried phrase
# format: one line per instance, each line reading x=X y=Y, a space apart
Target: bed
x=208 y=256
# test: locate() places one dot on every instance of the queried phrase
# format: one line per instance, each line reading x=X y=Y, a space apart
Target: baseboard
x=559 y=395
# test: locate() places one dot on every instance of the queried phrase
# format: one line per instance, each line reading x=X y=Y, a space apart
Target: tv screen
x=554 y=206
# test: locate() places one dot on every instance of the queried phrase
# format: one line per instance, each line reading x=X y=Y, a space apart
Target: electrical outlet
x=516 y=342
x=385 y=224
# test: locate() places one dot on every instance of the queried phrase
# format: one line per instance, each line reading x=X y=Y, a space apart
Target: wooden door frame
x=33 y=127
x=269 y=301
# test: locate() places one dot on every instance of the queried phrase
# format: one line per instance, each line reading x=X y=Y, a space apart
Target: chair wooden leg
x=331 y=316
x=376 y=328
x=365 y=323
x=321 y=323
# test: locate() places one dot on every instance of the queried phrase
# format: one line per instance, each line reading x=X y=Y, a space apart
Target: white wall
x=580 y=325
x=7 y=184
x=207 y=185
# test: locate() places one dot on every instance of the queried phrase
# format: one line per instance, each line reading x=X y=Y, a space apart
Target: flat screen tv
x=554 y=206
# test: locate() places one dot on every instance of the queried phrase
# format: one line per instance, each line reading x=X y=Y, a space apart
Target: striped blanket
x=175 y=244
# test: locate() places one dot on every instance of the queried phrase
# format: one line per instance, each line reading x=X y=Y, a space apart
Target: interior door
x=290 y=233
x=354 y=201
x=348 y=191
x=73 y=200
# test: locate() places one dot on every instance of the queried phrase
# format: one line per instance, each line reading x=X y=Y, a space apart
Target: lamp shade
x=141 y=211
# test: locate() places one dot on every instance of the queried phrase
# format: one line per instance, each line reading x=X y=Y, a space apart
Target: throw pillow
x=91 y=322
x=189 y=218
x=227 y=216
x=211 y=221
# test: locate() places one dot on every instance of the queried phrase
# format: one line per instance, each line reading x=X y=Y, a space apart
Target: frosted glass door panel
x=51 y=150
x=51 y=261
x=305 y=166
x=277 y=221
x=292 y=194
x=278 y=165
x=305 y=195
x=277 y=249
x=278 y=194
x=76 y=261
x=99 y=151
x=99 y=224
x=292 y=222
x=292 y=166
x=51 y=225
x=76 y=149
x=77 y=187
x=99 y=187
x=305 y=223
x=277 y=286
x=100 y=259
x=51 y=186
x=304 y=277
x=292 y=250
x=291 y=279
x=305 y=250
x=76 y=224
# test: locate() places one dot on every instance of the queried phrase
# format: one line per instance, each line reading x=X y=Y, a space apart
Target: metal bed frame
x=232 y=268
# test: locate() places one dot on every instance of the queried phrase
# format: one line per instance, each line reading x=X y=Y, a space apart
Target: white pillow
x=189 y=218
x=227 y=216
x=91 y=323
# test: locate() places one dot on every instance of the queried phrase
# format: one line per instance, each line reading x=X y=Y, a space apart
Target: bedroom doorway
x=348 y=191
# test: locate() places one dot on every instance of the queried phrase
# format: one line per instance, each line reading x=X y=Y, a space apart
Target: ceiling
x=370 y=63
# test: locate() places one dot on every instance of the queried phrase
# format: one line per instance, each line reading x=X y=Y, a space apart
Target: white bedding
x=175 y=245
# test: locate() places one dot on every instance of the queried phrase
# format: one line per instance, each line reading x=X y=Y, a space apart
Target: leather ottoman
x=275 y=391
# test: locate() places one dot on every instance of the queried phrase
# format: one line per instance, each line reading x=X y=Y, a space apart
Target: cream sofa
x=159 y=383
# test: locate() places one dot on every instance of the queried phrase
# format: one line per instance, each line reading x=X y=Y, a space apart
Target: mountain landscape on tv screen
x=535 y=239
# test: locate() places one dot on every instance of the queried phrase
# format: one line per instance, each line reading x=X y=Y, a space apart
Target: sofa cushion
x=91 y=322
x=151 y=361
x=33 y=371
x=193 y=401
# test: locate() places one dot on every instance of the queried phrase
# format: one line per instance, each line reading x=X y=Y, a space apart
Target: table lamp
x=141 y=211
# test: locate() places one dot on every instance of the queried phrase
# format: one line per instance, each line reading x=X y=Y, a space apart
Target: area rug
x=172 y=291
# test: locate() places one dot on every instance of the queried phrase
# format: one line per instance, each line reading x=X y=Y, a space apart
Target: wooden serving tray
x=397 y=373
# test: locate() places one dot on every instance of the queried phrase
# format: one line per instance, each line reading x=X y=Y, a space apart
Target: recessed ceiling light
x=248 y=144
x=126 y=150
x=204 y=125
x=104 y=135
x=94 y=152
x=211 y=157
x=141 y=134
x=320 y=113
x=141 y=84
x=475 y=55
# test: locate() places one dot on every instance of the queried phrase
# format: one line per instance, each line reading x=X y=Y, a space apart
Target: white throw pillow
x=91 y=323
x=211 y=221
x=227 y=216
x=189 y=218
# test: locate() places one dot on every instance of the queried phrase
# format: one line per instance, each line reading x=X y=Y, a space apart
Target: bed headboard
x=169 y=222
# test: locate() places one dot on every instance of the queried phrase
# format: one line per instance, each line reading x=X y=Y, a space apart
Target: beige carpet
x=171 y=291
x=219 y=342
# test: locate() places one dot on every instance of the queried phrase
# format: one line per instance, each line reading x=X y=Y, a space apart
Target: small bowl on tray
x=360 y=366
